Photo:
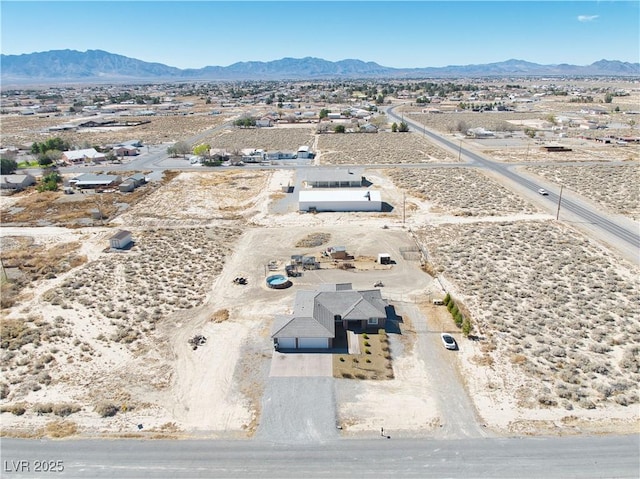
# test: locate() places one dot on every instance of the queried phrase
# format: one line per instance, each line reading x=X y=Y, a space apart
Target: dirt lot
x=106 y=334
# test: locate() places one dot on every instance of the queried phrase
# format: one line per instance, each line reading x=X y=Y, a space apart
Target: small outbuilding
x=121 y=239
x=384 y=258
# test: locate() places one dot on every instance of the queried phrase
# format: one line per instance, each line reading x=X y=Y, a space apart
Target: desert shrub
x=368 y=360
x=347 y=375
x=447 y=299
x=17 y=409
x=4 y=390
x=466 y=327
x=360 y=376
x=341 y=359
x=367 y=351
x=45 y=408
x=365 y=336
x=454 y=310
x=586 y=403
x=458 y=319
x=106 y=409
x=58 y=429
x=65 y=409
x=547 y=401
x=16 y=333
x=367 y=343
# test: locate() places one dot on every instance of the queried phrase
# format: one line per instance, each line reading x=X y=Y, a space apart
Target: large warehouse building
x=340 y=200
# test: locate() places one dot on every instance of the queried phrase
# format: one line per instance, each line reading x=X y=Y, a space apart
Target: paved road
x=631 y=237
x=553 y=457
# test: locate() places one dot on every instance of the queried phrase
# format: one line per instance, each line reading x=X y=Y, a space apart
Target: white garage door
x=287 y=343
x=307 y=343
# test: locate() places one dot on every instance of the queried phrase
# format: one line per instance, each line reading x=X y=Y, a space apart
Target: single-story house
x=80 y=156
x=17 y=182
x=90 y=180
x=480 y=133
x=121 y=239
x=138 y=179
x=280 y=155
x=125 y=151
x=305 y=152
x=337 y=252
x=339 y=200
x=312 y=325
x=333 y=178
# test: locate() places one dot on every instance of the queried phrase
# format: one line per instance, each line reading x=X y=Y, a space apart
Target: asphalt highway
x=546 y=457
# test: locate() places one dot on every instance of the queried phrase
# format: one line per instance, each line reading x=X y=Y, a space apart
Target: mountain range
x=60 y=66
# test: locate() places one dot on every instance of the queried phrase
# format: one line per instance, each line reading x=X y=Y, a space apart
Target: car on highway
x=543 y=192
x=448 y=341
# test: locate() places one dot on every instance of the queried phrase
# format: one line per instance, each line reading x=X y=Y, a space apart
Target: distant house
x=138 y=179
x=17 y=182
x=280 y=155
x=81 y=156
x=90 y=180
x=253 y=156
x=264 y=122
x=120 y=240
x=318 y=316
x=125 y=151
x=480 y=133
x=305 y=152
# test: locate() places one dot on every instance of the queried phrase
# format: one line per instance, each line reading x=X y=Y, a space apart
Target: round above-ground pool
x=278 y=281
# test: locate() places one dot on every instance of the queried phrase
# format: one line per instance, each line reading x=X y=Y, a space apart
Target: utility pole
x=559 y=201
x=404 y=204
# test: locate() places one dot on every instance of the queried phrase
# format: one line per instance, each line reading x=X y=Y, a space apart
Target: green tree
x=530 y=132
x=172 y=151
x=339 y=129
x=394 y=127
x=182 y=148
x=49 y=157
x=608 y=98
x=8 y=166
x=403 y=128
x=50 y=182
x=324 y=113
x=202 y=150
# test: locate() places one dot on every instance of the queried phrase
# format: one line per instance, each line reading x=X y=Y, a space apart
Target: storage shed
x=340 y=200
x=121 y=239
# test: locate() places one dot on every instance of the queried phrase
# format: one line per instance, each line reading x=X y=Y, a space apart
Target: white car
x=448 y=341
x=543 y=192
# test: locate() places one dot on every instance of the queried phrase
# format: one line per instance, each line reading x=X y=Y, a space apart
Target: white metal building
x=340 y=200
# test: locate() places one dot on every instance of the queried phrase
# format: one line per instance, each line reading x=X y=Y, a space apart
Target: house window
x=372 y=321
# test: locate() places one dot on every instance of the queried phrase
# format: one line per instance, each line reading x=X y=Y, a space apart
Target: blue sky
x=395 y=34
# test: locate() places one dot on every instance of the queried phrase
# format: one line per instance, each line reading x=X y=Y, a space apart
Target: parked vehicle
x=543 y=192
x=448 y=341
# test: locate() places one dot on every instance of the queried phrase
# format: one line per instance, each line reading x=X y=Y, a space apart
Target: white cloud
x=587 y=18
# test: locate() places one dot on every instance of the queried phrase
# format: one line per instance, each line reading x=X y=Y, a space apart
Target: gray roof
x=301 y=327
x=122 y=234
x=314 y=312
x=333 y=174
x=90 y=179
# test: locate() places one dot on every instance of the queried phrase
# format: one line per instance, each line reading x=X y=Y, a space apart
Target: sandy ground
x=117 y=328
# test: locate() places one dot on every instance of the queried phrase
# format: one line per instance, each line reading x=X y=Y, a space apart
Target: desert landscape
x=98 y=343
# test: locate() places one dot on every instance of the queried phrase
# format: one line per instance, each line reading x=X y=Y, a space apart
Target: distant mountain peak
x=58 y=66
